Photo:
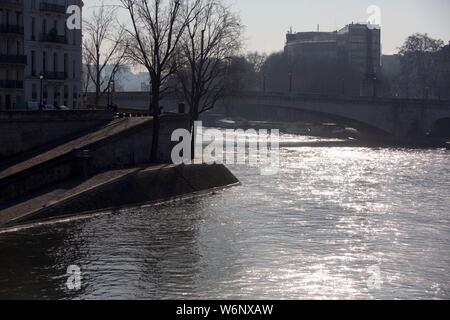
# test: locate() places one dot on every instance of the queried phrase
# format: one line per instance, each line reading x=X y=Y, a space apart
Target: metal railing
x=11 y=84
x=8 y=28
x=54 y=38
x=13 y=59
x=55 y=75
x=51 y=7
x=13 y=2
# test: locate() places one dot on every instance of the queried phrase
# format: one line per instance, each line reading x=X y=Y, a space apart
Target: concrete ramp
x=26 y=208
x=116 y=127
x=117 y=189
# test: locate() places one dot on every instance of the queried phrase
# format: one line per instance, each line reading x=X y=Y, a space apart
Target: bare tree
x=86 y=77
x=211 y=39
x=156 y=29
x=419 y=57
x=257 y=60
x=104 y=48
x=257 y=76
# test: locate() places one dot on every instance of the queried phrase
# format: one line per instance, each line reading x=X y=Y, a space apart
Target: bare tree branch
x=103 y=46
x=212 y=38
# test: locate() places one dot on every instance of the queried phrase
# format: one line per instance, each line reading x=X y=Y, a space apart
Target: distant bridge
x=399 y=118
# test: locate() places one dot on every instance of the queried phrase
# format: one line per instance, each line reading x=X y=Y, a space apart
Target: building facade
x=43 y=58
x=444 y=68
x=12 y=57
x=357 y=46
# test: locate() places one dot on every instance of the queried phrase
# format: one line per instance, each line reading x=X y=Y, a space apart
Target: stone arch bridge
x=398 y=118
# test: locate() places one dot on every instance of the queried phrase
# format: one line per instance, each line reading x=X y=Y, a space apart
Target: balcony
x=13 y=3
x=11 y=84
x=53 y=38
x=53 y=8
x=13 y=29
x=13 y=59
x=55 y=76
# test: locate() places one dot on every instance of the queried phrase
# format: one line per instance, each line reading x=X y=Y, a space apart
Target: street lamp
x=112 y=88
x=41 y=103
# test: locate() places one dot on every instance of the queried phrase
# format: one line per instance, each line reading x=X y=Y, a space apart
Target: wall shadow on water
x=141 y=253
x=34 y=262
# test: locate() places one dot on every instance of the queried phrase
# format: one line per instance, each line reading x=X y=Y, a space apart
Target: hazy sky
x=267 y=21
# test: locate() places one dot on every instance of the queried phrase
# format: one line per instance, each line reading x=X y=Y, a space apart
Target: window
x=75 y=97
x=65 y=63
x=44 y=62
x=33 y=63
x=55 y=62
x=19 y=18
x=8 y=46
x=33 y=25
x=34 y=91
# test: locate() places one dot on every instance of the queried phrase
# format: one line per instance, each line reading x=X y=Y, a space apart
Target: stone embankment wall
x=126 y=143
x=22 y=131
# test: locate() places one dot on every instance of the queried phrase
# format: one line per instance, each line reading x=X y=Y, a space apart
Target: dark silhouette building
x=356 y=47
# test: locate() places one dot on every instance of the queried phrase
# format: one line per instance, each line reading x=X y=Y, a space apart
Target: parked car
x=34 y=106
x=49 y=107
x=31 y=105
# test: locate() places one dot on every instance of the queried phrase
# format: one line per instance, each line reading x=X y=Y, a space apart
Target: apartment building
x=357 y=46
x=12 y=57
x=43 y=58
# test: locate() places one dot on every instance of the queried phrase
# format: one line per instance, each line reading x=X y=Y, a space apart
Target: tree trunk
x=194 y=117
x=97 y=96
x=156 y=123
x=97 y=84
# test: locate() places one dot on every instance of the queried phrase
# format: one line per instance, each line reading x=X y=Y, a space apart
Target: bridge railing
x=314 y=96
x=140 y=96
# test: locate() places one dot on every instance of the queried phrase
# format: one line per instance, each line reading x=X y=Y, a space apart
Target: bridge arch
x=282 y=112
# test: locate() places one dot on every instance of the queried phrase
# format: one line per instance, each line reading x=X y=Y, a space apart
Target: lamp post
x=113 y=89
x=41 y=103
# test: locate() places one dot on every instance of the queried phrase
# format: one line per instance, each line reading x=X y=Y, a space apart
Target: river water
x=335 y=223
